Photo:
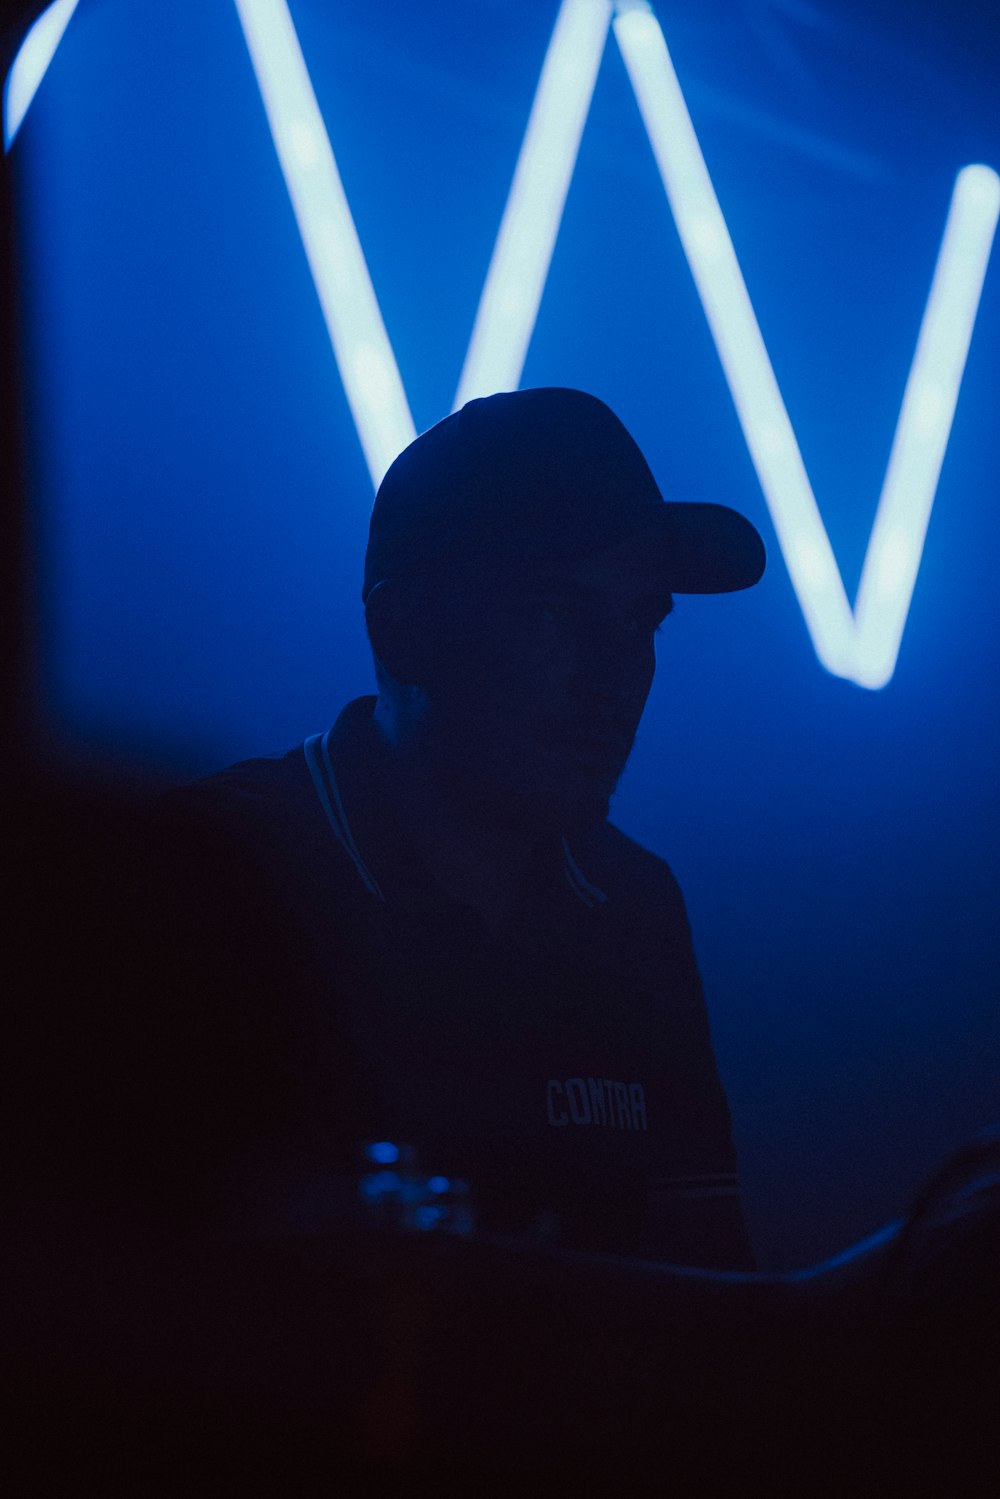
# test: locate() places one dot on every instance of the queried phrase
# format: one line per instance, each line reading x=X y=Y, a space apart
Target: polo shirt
x=561 y=1065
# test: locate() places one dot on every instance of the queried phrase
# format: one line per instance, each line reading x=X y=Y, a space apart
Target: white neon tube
x=761 y=410
x=31 y=64
x=519 y=266
x=361 y=346
x=862 y=645
x=925 y=418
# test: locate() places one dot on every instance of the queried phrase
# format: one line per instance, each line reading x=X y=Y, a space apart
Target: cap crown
x=546 y=470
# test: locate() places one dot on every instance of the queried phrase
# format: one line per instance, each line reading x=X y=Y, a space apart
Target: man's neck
x=476 y=864
x=480 y=867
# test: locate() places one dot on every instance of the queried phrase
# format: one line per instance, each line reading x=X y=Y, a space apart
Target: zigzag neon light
x=862 y=645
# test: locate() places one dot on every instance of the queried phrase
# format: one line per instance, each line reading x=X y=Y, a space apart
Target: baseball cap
x=532 y=475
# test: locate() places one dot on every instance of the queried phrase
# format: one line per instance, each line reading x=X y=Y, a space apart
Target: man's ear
x=398 y=632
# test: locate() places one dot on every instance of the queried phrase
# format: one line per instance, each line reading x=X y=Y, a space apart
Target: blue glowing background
x=202 y=499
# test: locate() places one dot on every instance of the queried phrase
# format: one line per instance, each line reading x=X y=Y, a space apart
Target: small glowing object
x=384 y=1184
x=31 y=64
x=862 y=645
x=426 y=1217
x=382 y=1152
x=438 y=1184
x=512 y=292
x=361 y=345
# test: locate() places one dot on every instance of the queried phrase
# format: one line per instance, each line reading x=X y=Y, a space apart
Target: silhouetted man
x=512 y=977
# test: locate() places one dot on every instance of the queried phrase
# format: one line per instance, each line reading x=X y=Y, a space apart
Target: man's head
x=520 y=560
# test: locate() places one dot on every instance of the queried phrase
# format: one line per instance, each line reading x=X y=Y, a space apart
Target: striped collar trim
x=581 y=887
x=317 y=755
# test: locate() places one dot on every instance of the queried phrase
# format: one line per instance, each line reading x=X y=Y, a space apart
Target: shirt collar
x=344 y=766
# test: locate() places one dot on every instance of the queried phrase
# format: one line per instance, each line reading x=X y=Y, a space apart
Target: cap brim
x=698 y=548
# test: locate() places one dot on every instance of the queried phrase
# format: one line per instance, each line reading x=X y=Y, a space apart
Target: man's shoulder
x=284 y=812
x=629 y=874
x=246 y=795
x=251 y=782
x=641 y=910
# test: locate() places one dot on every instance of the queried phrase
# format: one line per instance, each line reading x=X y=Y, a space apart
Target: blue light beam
x=31 y=64
x=350 y=308
x=512 y=291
